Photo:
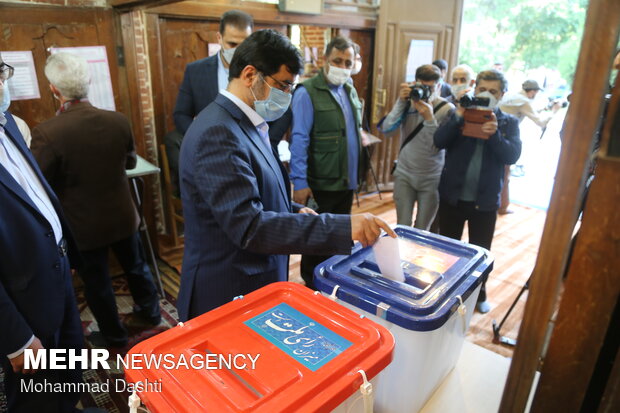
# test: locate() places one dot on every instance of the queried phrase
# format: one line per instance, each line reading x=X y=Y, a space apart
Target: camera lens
x=416 y=93
x=465 y=101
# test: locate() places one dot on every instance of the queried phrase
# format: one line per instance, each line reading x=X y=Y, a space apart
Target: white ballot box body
x=428 y=313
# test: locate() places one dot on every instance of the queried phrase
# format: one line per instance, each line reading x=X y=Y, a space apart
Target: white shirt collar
x=254 y=117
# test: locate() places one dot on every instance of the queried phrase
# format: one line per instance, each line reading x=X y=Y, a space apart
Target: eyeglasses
x=283 y=86
x=6 y=71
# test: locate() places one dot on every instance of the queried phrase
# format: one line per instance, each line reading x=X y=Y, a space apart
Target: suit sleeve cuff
x=21 y=350
x=296 y=207
x=342 y=229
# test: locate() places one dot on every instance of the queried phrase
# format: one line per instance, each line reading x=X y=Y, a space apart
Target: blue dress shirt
x=303 y=119
x=222 y=73
x=19 y=168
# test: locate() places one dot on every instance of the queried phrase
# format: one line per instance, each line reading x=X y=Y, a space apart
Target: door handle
x=380 y=97
x=379 y=103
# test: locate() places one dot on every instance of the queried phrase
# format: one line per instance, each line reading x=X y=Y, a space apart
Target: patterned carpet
x=114 y=402
x=117 y=401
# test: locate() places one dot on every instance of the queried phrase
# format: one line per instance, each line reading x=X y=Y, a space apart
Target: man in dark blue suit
x=205 y=77
x=240 y=221
x=37 y=304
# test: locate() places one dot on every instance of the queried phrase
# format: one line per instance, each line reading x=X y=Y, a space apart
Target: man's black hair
x=267 y=50
x=427 y=73
x=441 y=64
x=340 y=43
x=236 y=18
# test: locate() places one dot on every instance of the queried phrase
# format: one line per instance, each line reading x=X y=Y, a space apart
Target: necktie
x=263 y=131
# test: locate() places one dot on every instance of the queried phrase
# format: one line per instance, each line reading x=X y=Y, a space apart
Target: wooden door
x=363 y=80
x=431 y=30
x=173 y=43
x=39 y=28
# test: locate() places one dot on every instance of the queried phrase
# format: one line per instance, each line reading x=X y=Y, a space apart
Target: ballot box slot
x=238 y=377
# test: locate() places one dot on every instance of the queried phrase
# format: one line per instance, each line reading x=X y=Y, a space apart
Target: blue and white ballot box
x=428 y=313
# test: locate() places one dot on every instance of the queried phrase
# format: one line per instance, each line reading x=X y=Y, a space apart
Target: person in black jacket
x=471 y=181
x=204 y=78
x=446 y=90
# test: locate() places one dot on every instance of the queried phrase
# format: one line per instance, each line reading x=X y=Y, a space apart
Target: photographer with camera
x=478 y=144
x=418 y=111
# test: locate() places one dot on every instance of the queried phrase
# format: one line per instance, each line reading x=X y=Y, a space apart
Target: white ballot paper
x=387 y=255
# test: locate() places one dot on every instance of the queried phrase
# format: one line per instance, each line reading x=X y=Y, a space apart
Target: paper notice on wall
x=100 y=93
x=420 y=53
x=23 y=85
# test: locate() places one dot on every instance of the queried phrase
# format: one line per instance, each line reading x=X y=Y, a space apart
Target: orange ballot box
x=283 y=348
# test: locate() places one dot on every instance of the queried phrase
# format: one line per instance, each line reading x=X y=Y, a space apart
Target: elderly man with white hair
x=84 y=152
x=462 y=80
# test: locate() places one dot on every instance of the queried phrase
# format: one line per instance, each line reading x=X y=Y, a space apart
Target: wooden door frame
x=598 y=44
x=387 y=79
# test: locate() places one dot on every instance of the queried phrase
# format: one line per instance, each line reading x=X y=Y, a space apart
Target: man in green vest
x=326 y=140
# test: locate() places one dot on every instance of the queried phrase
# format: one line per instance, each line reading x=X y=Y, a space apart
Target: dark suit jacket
x=238 y=221
x=502 y=148
x=32 y=288
x=446 y=90
x=83 y=153
x=198 y=89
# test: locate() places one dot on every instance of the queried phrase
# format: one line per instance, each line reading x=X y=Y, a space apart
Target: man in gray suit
x=240 y=221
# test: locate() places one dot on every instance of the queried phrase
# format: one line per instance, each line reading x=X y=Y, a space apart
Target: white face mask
x=435 y=93
x=338 y=76
x=5 y=97
x=357 y=67
x=492 y=100
x=274 y=106
x=228 y=54
x=456 y=89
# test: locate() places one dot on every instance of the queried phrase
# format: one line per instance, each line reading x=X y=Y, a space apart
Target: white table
x=475 y=385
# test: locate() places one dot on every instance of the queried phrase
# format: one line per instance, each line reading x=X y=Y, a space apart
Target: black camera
x=420 y=92
x=468 y=101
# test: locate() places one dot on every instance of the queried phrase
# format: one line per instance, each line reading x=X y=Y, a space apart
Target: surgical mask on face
x=456 y=89
x=357 y=67
x=434 y=95
x=274 y=106
x=492 y=100
x=6 y=97
x=228 y=54
x=338 y=76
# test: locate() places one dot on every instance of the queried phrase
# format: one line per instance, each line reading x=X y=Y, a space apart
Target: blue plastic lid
x=437 y=270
